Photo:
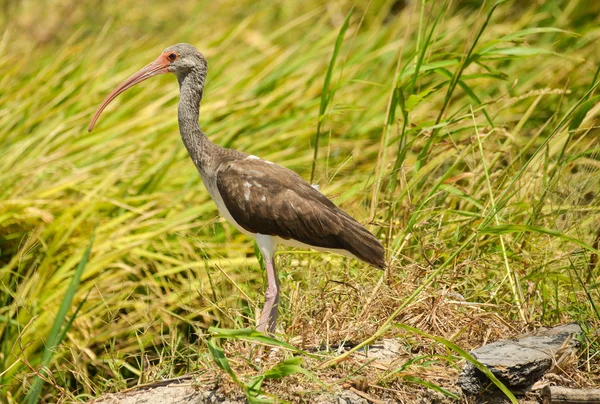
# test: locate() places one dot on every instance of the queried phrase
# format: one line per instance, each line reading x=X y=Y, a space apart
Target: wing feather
x=269 y=199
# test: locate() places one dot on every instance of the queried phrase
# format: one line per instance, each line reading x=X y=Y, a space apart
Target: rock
x=342 y=397
x=169 y=392
x=386 y=350
x=518 y=364
x=167 y=395
x=175 y=392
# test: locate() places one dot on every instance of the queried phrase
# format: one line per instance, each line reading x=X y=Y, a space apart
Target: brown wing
x=269 y=199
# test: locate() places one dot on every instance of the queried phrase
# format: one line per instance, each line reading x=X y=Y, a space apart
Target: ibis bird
x=268 y=202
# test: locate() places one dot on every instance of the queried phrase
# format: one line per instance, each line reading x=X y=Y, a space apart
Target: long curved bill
x=159 y=66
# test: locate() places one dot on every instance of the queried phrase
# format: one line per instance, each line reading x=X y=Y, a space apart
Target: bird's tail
x=362 y=244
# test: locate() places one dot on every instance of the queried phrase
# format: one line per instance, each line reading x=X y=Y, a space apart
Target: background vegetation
x=462 y=132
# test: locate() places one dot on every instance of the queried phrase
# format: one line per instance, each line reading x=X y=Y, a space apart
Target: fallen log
x=558 y=394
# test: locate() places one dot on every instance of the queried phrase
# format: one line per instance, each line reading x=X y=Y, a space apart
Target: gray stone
x=172 y=391
x=173 y=394
x=177 y=393
x=520 y=363
x=386 y=350
x=342 y=397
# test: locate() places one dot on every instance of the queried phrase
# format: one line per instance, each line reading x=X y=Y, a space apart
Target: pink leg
x=268 y=316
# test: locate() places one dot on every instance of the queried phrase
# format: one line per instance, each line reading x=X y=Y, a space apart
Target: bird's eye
x=172 y=56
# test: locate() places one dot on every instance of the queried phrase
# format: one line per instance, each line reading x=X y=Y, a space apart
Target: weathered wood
x=558 y=394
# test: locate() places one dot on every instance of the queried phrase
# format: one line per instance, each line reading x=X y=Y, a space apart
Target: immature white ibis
x=261 y=199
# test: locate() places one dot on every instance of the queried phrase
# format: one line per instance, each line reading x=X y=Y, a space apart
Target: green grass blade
x=461 y=352
x=218 y=356
x=581 y=112
x=426 y=44
x=249 y=334
x=326 y=93
x=518 y=51
x=466 y=61
x=56 y=332
x=430 y=385
x=519 y=228
x=510 y=189
x=286 y=368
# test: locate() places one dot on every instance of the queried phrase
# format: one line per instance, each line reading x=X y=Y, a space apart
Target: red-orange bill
x=159 y=66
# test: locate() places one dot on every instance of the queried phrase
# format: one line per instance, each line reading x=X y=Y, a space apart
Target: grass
x=463 y=133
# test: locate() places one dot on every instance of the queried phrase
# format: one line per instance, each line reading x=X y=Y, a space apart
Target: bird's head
x=180 y=59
